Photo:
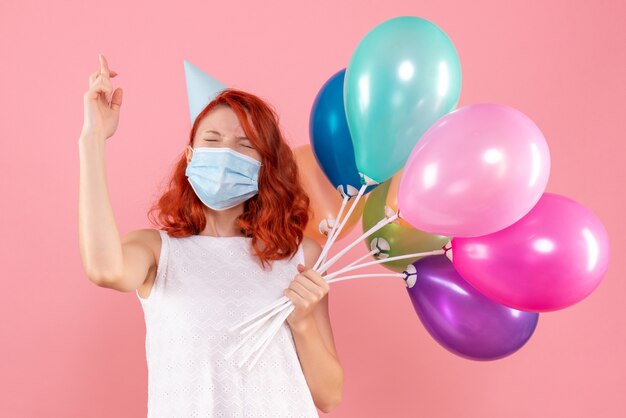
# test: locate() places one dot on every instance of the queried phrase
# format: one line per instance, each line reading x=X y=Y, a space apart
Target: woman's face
x=220 y=128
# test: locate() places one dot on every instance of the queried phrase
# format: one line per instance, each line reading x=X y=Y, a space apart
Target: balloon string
x=371 y=253
x=258 y=313
x=332 y=231
x=320 y=259
x=281 y=318
x=262 y=337
x=264 y=317
x=373 y=229
x=243 y=340
x=356 y=276
x=281 y=304
x=278 y=320
x=341 y=225
x=330 y=278
x=267 y=335
x=384 y=260
x=345 y=218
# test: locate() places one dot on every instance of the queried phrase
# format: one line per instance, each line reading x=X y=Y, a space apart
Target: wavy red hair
x=276 y=217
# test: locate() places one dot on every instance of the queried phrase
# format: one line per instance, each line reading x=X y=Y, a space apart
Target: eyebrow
x=216 y=132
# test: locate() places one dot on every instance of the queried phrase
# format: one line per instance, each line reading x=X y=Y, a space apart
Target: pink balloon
x=552 y=258
x=475 y=171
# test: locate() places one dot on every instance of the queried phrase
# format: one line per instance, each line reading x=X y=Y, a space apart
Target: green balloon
x=403 y=76
x=398 y=239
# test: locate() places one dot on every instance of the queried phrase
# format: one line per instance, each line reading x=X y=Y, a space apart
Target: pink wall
x=71 y=349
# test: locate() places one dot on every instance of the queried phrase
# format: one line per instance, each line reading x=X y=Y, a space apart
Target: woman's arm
x=322 y=370
x=121 y=264
x=98 y=238
x=312 y=333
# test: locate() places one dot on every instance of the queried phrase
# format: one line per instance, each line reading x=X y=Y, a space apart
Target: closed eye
x=217 y=140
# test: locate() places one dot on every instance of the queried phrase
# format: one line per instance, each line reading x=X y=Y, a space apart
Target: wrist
x=87 y=136
x=90 y=140
x=303 y=325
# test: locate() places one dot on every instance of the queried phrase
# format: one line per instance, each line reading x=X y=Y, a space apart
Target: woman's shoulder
x=312 y=250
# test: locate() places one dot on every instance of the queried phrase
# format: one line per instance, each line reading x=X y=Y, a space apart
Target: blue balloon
x=330 y=138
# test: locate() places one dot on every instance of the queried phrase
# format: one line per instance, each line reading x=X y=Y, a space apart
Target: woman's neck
x=222 y=223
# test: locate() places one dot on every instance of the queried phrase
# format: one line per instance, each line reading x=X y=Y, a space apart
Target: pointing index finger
x=104 y=66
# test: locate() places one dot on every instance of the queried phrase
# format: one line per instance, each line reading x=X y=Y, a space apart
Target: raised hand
x=101 y=103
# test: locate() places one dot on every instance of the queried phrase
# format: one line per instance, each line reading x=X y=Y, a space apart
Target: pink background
x=72 y=349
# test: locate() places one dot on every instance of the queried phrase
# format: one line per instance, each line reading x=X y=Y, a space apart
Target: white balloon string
x=341 y=225
x=275 y=330
x=357 y=276
x=262 y=339
x=276 y=315
x=381 y=261
x=331 y=278
x=361 y=258
x=321 y=258
x=332 y=231
x=260 y=312
x=243 y=340
x=338 y=279
x=373 y=229
x=265 y=317
x=284 y=301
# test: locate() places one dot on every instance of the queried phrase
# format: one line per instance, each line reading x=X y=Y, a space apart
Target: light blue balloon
x=403 y=76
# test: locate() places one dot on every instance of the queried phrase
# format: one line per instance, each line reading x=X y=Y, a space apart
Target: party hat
x=201 y=89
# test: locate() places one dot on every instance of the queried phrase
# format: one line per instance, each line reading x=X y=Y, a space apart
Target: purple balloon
x=460 y=318
x=553 y=257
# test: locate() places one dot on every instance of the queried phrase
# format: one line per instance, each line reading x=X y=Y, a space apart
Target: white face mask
x=221 y=177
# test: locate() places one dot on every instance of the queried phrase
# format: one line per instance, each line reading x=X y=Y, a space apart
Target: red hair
x=274 y=218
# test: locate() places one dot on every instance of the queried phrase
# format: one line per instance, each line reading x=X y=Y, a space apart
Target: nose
x=225 y=141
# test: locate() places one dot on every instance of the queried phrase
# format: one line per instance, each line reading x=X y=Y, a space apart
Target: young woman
x=230 y=242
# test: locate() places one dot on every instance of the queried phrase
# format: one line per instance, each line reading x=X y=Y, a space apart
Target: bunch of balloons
x=471 y=180
x=459 y=194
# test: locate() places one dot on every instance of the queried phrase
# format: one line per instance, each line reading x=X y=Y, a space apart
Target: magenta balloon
x=552 y=258
x=475 y=171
